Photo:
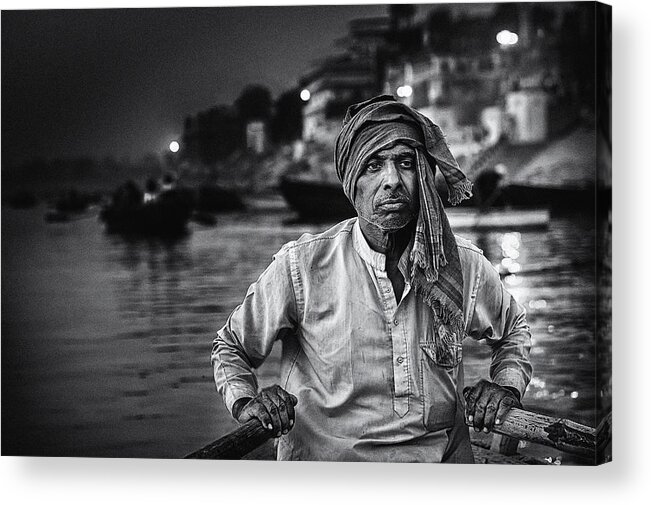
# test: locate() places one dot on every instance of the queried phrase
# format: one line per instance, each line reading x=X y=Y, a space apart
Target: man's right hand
x=273 y=407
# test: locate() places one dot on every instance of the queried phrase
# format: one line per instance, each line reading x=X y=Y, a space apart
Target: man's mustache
x=395 y=198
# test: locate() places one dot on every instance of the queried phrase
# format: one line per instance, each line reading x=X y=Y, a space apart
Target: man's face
x=386 y=193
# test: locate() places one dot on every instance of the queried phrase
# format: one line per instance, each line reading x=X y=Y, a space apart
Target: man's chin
x=392 y=223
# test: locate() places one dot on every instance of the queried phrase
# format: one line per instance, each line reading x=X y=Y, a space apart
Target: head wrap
x=433 y=265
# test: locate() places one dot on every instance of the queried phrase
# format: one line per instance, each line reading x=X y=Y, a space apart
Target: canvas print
x=360 y=233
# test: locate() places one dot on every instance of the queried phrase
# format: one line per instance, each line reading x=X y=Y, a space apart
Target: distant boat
x=62 y=216
x=168 y=215
x=555 y=197
x=75 y=202
x=71 y=206
x=559 y=174
x=316 y=200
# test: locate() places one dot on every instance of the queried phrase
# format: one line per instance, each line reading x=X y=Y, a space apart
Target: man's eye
x=373 y=166
x=407 y=163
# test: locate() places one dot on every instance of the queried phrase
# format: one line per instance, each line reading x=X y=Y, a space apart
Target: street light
x=174 y=146
x=404 y=91
x=305 y=95
x=507 y=38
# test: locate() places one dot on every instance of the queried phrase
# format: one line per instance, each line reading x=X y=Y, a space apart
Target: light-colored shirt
x=362 y=364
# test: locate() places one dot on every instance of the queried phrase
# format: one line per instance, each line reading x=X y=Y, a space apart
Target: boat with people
x=130 y=212
x=164 y=208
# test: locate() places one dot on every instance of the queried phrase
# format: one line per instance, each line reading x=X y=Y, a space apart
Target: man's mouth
x=393 y=203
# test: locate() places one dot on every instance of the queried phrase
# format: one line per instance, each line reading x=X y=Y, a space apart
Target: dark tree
x=254 y=103
x=287 y=121
x=214 y=134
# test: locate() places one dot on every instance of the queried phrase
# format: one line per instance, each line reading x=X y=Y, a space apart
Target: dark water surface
x=106 y=342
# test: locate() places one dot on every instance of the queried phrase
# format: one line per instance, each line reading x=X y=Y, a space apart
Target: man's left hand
x=487 y=403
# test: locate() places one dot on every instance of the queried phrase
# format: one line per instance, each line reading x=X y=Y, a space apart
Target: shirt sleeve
x=502 y=321
x=266 y=314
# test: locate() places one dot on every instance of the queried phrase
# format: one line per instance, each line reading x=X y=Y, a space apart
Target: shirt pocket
x=441 y=353
x=442 y=346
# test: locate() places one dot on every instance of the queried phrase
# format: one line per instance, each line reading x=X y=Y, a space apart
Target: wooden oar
x=236 y=444
x=562 y=434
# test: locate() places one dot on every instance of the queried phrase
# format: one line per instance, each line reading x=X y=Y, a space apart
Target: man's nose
x=391 y=176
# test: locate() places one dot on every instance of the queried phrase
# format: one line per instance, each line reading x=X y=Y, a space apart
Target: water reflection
x=552 y=275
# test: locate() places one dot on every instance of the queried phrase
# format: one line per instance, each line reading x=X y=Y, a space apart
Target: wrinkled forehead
x=398 y=147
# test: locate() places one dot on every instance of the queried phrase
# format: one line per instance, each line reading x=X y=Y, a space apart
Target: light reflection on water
x=106 y=342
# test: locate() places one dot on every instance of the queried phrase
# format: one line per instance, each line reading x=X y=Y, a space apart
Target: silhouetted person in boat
x=151 y=191
x=168 y=182
x=487 y=187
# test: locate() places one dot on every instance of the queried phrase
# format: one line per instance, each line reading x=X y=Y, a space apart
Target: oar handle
x=236 y=444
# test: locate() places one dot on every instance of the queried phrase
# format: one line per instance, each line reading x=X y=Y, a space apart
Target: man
x=373 y=311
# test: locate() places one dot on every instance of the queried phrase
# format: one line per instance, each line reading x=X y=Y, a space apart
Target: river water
x=106 y=342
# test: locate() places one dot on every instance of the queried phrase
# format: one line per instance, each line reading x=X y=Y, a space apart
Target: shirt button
x=400 y=360
x=395 y=321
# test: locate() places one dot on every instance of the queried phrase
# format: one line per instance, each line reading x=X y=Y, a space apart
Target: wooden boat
x=316 y=200
x=555 y=197
x=592 y=446
x=71 y=206
x=558 y=174
x=56 y=215
x=168 y=215
x=76 y=202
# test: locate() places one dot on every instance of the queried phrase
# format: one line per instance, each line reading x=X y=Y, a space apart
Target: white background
x=626 y=480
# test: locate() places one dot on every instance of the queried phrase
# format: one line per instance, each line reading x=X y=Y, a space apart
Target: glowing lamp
x=174 y=146
x=507 y=38
x=404 y=91
x=305 y=95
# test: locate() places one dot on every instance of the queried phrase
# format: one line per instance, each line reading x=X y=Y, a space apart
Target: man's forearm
x=267 y=311
x=233 y=373
x=510 y=365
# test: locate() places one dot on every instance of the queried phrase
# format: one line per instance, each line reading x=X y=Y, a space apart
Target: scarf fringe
x=447 y=313
x=460 y=191
x=430 y=272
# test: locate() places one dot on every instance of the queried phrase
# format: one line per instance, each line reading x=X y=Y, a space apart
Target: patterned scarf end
x=459 y=191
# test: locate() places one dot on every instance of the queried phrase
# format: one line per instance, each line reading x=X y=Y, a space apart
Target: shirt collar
x=375 y=259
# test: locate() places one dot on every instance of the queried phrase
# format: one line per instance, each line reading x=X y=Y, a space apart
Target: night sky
x=121 y=82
